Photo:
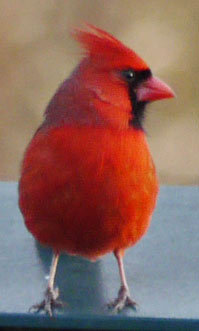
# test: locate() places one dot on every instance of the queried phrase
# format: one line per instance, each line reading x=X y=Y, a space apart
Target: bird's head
x=111 y=86
x=121 y=83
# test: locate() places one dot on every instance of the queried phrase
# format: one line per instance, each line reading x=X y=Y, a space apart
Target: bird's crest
x=101 y=44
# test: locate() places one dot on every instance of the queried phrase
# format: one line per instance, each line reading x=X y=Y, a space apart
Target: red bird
x=88 y=183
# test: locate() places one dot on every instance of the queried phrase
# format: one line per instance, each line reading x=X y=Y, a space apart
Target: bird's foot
x=123 y=300
x=49 y=303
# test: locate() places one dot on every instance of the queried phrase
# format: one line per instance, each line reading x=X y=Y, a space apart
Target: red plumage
x=97 y=197
x=88 y=184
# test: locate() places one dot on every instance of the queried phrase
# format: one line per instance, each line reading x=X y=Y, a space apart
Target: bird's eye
x=129 y=75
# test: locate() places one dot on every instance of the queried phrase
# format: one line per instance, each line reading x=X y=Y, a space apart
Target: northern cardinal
x=88 y=184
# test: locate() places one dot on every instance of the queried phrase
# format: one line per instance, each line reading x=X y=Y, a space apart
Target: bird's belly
x=88 y=194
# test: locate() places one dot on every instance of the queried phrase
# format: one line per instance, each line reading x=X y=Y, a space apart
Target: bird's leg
x=51 y=294
x=123 y=300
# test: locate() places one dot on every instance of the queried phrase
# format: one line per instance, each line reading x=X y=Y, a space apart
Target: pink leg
x=51 y=294
x=123 y=300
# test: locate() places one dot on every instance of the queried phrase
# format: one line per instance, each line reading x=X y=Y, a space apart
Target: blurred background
x=37 y=54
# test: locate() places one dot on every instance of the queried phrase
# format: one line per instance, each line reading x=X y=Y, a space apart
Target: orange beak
x=154 y=89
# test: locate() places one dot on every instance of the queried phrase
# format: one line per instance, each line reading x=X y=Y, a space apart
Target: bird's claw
x=123 y=300
x=49 y=303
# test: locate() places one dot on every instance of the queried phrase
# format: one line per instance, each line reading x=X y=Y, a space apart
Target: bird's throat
x=138 y=110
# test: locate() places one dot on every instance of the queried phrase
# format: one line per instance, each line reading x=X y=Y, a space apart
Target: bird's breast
x=88 y=190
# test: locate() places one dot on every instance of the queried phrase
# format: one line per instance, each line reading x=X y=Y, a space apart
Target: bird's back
x=88 y=190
